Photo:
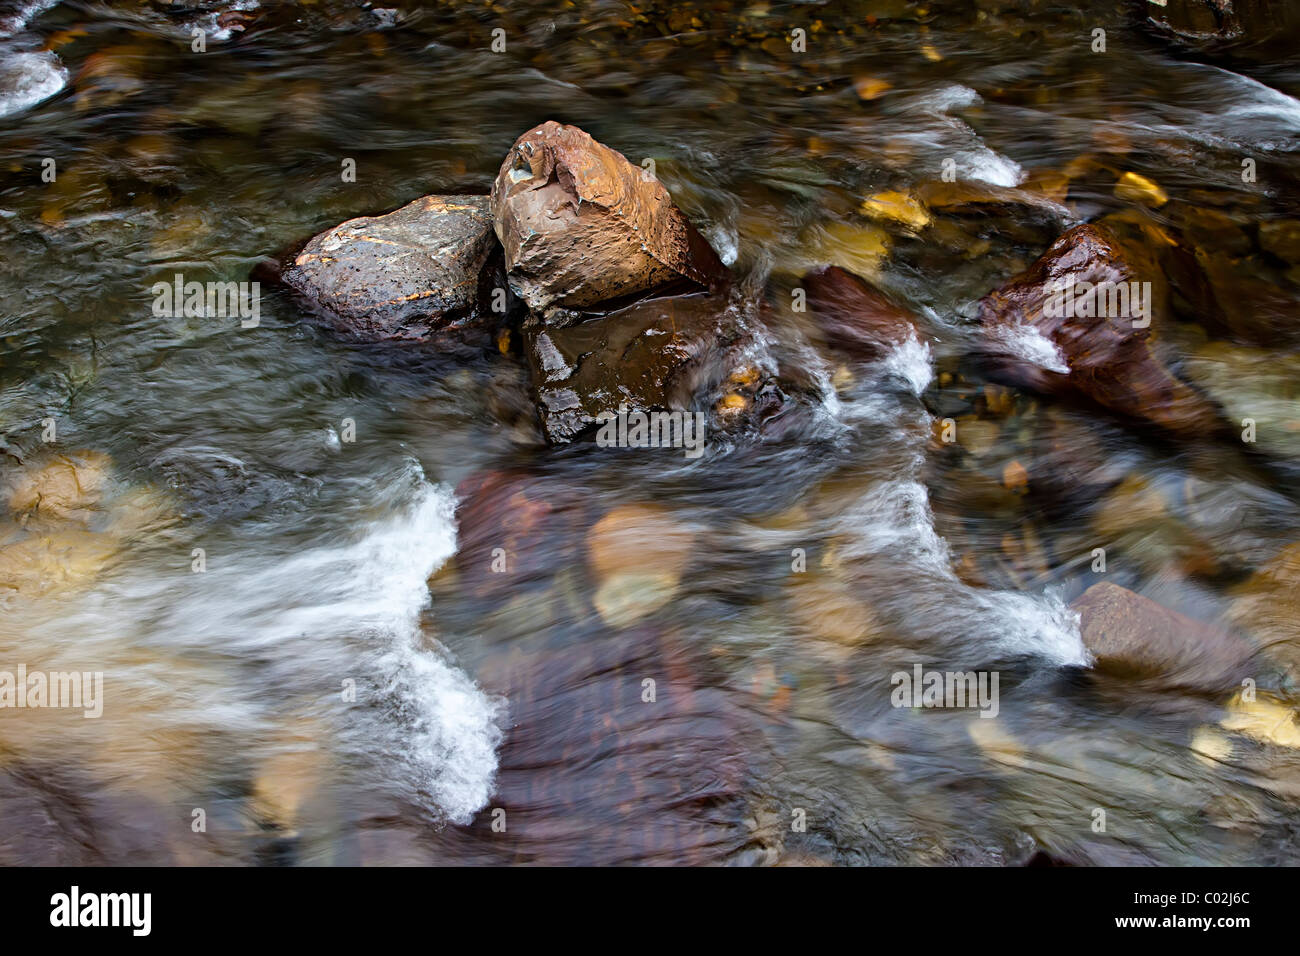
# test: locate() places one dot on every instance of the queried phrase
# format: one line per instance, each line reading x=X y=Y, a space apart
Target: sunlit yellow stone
x=1268 y=721
x=898 y=207
x=1135 y=188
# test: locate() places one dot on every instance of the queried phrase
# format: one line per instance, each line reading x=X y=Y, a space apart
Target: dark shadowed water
x=339 y=685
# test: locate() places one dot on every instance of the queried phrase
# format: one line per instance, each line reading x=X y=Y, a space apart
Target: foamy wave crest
x=1027 y=342
x=910 y=361
x=444 y=727
x=304 y=618
x=892 y=526
x=16 y=20
x=29 y=78
x=950 y=136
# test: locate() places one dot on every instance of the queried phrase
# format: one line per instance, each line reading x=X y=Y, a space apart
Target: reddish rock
x=594 y=772
x=1134 y=636
x=651 y=355
x=1032 y=342
x=536 y=524
x=858 y=320
x=581 y=225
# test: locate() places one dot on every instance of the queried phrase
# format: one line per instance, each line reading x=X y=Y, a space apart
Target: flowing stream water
x=333 y=688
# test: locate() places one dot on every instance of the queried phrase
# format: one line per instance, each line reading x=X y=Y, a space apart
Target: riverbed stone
x=856 y=319
x=64 y=488
x=1267 y=604
x=581 y=225
x=637 y=554
x=1133 y=636
x=650 y=355
x=1111 y=360
x=514 y=531
x=402 y=276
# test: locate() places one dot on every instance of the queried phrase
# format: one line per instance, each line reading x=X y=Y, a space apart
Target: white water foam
x=29 y=78
x=894 y=522
x=17 y=21
x=892 y=526
x=953 y=137
x=376 y=587
x=291 y=626
x=1026 y=341
x=911 y=361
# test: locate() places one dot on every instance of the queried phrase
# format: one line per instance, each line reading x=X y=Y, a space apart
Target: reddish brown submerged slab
x=1134 y=636
x=856 y=318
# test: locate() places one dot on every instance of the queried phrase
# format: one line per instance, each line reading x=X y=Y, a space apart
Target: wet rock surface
x=403 y=276
x=1134 y=636
x=520 y=514
x=633 y=775
x=1236 y=27
x=1109 y=359
x=581 y=225
x=650 y=355
x=856 y=319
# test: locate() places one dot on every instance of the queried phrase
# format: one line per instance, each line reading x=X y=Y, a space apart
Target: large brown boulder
x=1038 y=340
x=1134 y=636
x=647 y=356
x=581 y=225
x=406 y=275
x=856 y=319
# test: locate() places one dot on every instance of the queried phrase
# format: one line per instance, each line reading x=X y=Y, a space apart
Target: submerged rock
x=1256 y=386
x=1236 y=27
x=647 y=356
x=581 y=225
x=67 y=487
x=1133 y=636
x=1037 y=338
x=637 y=554
x=406 y=275
x=1268 y=606
x=514 y=530
x=621 y=751
x=856 y=319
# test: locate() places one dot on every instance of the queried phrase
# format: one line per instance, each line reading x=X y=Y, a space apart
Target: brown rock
x=856 y=319
x=533 y=522
x=68 y=487
x=581 y=225
x=405 y=275
x=1235 y=27
x=1134 y=636
x=1108 y=359
x=1268 y=606
x=592 y=772
x=637 y=554
x=645 y=356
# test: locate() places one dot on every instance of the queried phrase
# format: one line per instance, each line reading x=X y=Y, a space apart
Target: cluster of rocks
x=578 y=258
x=583 y=262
